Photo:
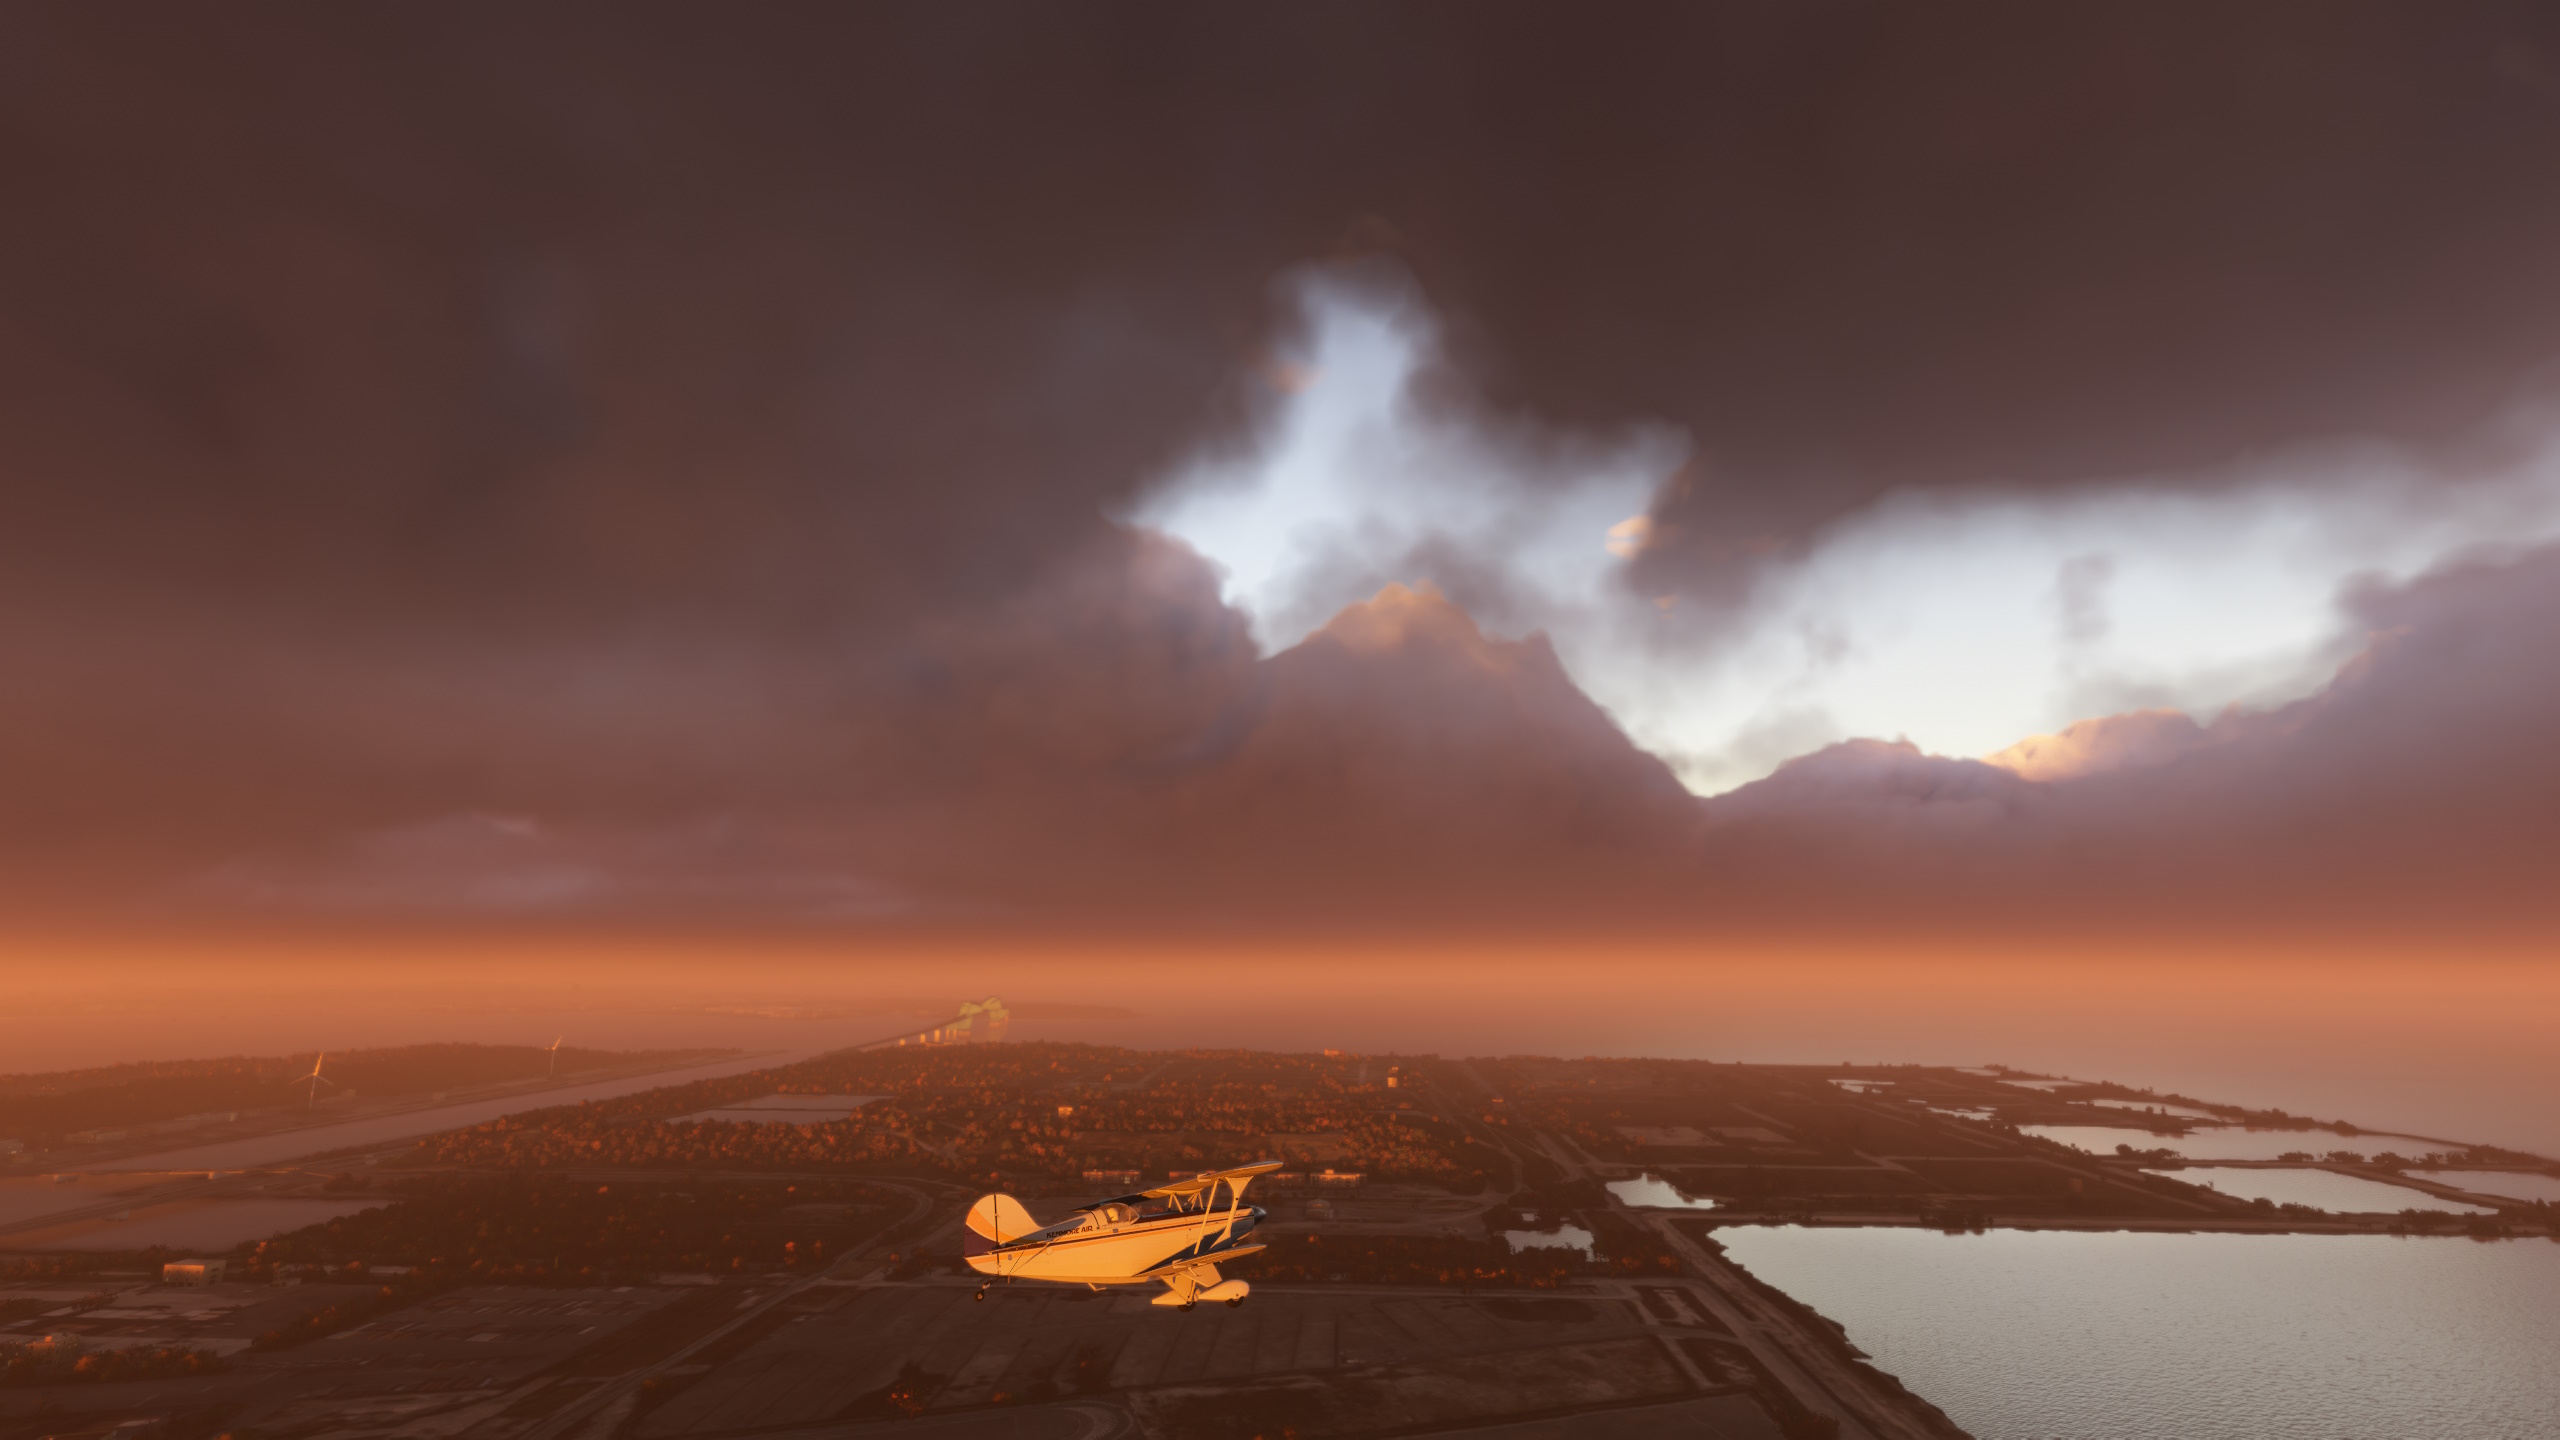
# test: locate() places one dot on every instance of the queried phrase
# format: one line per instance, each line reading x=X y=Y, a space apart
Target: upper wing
x=1207 y=1178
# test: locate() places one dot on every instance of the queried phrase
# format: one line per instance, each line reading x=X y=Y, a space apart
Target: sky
x=1748 y=476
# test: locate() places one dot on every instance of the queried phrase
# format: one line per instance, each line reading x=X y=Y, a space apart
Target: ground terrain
x=618 y=1269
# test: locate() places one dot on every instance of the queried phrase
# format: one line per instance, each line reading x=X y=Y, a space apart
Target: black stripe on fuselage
x=1077 y=1237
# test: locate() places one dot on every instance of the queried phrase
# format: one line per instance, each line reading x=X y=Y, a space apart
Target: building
x=193 y=1272
x=980 y=1022
x=1338 y=1179
x=1116 y=1179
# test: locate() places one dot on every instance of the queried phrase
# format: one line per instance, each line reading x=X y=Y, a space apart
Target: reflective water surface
x=1659 y=1193
x=380 y=1129
x=787 y=1109
x=2221 y=1142
x=2063 y=1335
x=1563 y=1237
x=2514 y=1184
x=2189 y=1112
x=2319 y=1189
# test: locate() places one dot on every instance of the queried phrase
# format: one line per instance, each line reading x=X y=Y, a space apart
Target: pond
x=787 y=1109
x=2319 y=1189
x=2209 y=1142
x=2514 y=1184
x=2184 y=1112
x=284 y=1145
x=2071 y=1335
x=1563 y=1237
x=1658 y=1193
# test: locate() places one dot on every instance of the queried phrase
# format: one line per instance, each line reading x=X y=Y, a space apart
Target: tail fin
x=993 y=1221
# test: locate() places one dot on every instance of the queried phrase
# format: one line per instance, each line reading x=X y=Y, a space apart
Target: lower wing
x=1213 y=1257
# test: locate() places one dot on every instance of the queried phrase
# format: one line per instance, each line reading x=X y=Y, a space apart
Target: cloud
x=1113 y=751
x=2411 y=793
x=2113 y=742
x=698 y=440
x=1400 y=766
x=1960 y=618
x=1109 y=753
x=1379 y=469
x=488 y=868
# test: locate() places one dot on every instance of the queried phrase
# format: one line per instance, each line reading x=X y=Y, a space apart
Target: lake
x=787 y=1110
x=2514 y=1184
x=284 y=1145
x=2220 y=1142
x=2319 y=1189
x=1658 y=1193
x=2066 y=1335
x=2188 y=1112
x=1563 y=1237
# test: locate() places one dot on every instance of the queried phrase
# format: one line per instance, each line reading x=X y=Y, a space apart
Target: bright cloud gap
x=1962 y=621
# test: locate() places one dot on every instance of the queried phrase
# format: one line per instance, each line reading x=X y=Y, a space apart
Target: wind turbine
x=315 y=1079
x=554 y=1052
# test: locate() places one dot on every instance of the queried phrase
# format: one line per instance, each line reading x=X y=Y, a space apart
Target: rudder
x=994 y=1220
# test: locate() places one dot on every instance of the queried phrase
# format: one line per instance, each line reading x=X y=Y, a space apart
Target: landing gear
x=1188 y=1305
x=1239 y=1300
x=981 y=1295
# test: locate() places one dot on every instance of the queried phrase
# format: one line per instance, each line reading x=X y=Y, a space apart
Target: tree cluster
x=49 y=1362
x=980 y=1112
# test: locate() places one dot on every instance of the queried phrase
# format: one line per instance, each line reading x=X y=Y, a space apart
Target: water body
x=787 y=1109
x=2063 y=1335
x=1658 y=1193
x=287 y=1145
x=1563 y=1237
x=2220 y=1142
x=2319 y=1189
x=2188 y=1112
x=2514 y=1184
x=32 y=1197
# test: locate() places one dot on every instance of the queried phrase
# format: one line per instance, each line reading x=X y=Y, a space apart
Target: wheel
x=1235 y=1302
x=981 y=1295
x=1190 y=1304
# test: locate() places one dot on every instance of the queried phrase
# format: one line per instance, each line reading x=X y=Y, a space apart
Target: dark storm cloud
x=653 y=421
x=1401 y=767
x=1107 y=753
x=2416 y=790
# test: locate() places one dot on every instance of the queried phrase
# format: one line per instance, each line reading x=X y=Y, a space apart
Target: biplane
x=1176 y=1233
